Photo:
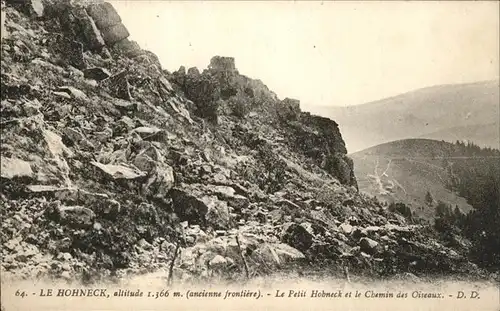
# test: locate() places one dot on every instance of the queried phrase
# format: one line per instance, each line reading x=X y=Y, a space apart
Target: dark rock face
x=320 y=139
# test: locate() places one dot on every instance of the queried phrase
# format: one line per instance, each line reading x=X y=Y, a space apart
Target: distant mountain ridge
x=444 y=112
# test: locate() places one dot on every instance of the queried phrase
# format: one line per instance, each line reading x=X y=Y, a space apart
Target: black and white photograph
x=249 y=155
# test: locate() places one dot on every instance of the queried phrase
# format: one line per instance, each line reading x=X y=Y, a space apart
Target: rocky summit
x=112 y=166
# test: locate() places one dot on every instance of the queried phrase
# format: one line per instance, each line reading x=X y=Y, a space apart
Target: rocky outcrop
x=223 y=64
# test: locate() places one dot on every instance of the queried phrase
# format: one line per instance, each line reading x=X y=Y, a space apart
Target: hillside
x=112 y=166
x=444 y=112
x=405 y=170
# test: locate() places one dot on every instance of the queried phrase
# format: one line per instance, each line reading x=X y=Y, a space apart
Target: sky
x=332 y=53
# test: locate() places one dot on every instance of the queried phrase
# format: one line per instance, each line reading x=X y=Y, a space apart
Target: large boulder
x=368 y=245
x=160 y=176
x=15 y=168
x=116 y=172
x=118 y=86
x=128 y=48
x=104 y=15
x=298 y=237
x=115 y=34
x=188 y=207
x=218 y=216
x=77 y=217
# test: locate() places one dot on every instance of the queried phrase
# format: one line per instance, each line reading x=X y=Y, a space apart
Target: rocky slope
x=112 y=166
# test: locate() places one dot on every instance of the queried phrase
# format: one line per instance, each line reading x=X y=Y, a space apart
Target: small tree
x=429 y=200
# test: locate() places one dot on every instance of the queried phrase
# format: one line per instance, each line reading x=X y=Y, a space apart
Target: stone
x=104 y=15
x=145 y=245
x=97 y=226
x=218 y=262
x=188 y=207
x=161 y=180
x=118 y=171
x=96 y=73
x=64 y=256
x=281 y=253
x=72 y=52
x=62 y=94
x=110 y=209
x=118 y=86
x=346 y=228
x=225 y=192
x=129 y=48
x=238 y=202
x=37 y=7
x=73 y=92
x=32 y=107
x=368 y=245
x=73 y=135
x=124 y=125
x=79 y=25
x=93 y=39
x=15 y=168
x=76 y=216
x=217 y=216
x=298 y=237
x=146 y=131
x=115 y=34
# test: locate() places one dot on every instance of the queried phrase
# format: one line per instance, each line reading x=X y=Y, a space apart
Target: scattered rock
x=128 y=48
x=118 y=171
x=118 y=86
x=13 y=167
x=218 y=262
x=278 y=254
x=368 y=245
x=75 y=216
x=298 y=237
x=73 y=92
x=96 y=73
x=346 y=228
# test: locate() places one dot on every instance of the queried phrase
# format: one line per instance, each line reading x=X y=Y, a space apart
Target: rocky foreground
x=113 y=166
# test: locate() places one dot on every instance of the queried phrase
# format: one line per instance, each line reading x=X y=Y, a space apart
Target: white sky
x=325 y=53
